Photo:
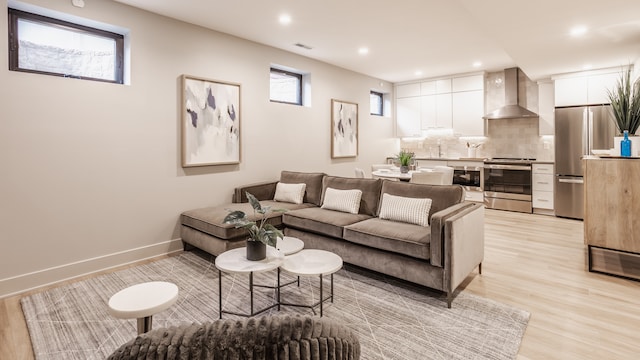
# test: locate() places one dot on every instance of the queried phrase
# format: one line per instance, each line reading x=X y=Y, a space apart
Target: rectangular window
x=286 y=87
x=377 y=103
x=44 y=45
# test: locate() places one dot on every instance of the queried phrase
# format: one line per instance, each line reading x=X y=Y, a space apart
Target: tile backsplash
x=505 y=138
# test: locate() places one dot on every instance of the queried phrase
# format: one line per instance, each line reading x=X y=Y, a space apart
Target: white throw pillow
x=342 y=200
x=291 y=193
x=405 y=209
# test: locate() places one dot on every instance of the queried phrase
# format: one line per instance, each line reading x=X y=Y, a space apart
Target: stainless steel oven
x=507 y=184
x=469 y=176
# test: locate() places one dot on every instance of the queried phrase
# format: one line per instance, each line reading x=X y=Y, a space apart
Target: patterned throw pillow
x=342 y=200
x=405 y=209
x=291 y=193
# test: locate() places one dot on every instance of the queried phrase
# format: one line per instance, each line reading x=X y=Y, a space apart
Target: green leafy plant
x=625 y=103
x=258 y=230
x=405 y=157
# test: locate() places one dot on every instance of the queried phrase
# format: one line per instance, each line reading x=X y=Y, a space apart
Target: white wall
x=91 y=174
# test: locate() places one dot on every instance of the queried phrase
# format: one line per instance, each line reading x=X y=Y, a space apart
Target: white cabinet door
x=428 y=88
x=571 y=91
x=468 y=109
x=467 y=83
x=443 y=111
x=543 y=200
x=429 y=112
x=408 y=90
x=408 y=116
x=443 y=86
x=597 y=87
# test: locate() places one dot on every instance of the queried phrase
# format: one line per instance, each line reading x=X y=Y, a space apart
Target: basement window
x=376 y=103
x=285 y=86
x=49 y=46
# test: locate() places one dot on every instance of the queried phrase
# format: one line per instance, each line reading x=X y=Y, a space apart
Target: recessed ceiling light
x=363 y=51
x=418 y=73
x=284 y=19
x=586 y=67
x=578 y=30
x=477 y=64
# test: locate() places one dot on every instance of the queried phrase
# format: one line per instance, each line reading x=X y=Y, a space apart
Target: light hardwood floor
x=533 y=262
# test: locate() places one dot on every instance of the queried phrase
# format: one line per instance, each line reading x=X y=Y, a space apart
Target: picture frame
x=210 y=117
x=344 y=129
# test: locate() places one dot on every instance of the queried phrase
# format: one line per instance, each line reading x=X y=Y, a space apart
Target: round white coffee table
x=235 y=261
x=289 y=245
x=313 y=262
x=143 y=300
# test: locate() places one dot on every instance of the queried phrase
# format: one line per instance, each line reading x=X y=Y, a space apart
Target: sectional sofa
x=425 y=234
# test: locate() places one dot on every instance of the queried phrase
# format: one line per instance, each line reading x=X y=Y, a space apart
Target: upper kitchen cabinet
x=408 y=116
x=468 y=105
x=407 y=90
x=546 y=111
x=585 y=88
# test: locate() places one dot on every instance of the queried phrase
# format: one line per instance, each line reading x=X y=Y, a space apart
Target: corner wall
x=91 y=174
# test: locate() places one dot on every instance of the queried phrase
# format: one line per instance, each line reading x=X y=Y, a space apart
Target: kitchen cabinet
x=542 y=188
x=407 y=90
x=467 y=83
x=444 y=114
x=546 y=108
x=585 y=88
x=408 y=117
x=468 y=109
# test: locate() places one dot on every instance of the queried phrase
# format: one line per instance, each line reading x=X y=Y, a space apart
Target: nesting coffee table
x=312 y=262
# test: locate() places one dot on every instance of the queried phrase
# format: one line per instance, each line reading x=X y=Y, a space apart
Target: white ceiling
x=437 y=37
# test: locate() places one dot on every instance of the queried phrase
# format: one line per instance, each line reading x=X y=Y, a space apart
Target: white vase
x=635 y=145
x=471 y=152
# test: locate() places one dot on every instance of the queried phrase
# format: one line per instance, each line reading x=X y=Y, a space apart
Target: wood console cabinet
x=612 y=207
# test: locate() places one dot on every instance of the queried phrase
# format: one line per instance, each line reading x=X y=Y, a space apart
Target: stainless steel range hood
x=511 y=109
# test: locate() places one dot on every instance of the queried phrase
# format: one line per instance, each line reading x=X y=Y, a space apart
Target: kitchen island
x=611 y=208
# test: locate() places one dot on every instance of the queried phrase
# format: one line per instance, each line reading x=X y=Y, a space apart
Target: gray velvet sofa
x=439 y=256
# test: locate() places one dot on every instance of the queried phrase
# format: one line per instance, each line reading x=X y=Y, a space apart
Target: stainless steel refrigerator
x=578 y=131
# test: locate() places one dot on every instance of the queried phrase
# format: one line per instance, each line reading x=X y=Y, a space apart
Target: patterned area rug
x=394 y=319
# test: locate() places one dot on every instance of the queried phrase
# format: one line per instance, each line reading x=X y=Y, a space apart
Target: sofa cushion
x=291 y=193
x=402 y=238
x=370 y=191
x=405 y=209
x=342 y=200
x=313 y=191
x=209 y=220
x=442 y=196
x=321 y=221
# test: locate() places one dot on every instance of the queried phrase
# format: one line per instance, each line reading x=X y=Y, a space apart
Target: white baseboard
x=30 y=281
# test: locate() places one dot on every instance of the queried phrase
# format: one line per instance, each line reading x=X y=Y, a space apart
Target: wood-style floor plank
x=533 y=262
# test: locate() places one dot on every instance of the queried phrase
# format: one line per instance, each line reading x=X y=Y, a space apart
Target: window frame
x=292 y=74
x=381 y=108
x=15 y=15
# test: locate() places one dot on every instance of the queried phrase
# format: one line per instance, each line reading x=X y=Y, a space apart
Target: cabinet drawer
x=543 y=199
x=542 y=182
x=542 y=168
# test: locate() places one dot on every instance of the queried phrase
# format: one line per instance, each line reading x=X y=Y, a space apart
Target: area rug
x=393 y=319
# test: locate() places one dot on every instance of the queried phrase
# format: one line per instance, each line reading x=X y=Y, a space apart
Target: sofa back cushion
x=370 y=191
x=313 y=191
x=442 y=196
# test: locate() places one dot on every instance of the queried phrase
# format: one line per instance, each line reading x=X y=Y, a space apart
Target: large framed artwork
x=344 y=129
x=210 y=122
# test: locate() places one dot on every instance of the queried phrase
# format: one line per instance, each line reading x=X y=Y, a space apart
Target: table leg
x=251 y=290
x=278 y=290
x=220 y=294
x=332 y=288
x=144 y=324
x=321 y=298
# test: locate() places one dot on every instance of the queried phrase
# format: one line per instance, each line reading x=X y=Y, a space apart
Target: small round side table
x=143 y=300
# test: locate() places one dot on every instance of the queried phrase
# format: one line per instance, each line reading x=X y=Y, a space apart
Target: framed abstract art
x=210 y=119
x=344 y=129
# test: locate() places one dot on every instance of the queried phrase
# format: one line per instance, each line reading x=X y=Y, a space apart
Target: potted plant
x=261 y=233
x=404 y=158
x=625 y=105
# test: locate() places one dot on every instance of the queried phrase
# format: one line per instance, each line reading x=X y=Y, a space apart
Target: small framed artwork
x=210 y=122
x=344 y=129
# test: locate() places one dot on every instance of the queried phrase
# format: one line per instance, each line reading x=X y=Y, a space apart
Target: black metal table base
x=251 y=286
x=319 y=302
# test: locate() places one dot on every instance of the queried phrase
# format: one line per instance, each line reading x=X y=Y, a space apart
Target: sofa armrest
x=437 y=223
x=262 y=191
x=464 y=245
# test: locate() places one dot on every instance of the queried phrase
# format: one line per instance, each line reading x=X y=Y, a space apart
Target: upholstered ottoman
x=278 y=337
